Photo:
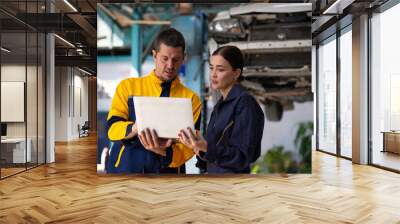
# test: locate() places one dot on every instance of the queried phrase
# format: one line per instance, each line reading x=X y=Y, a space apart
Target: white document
x=166 y=115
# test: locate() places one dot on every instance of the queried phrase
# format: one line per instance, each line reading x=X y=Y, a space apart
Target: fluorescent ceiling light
x=86 y=72
x=338 y=6
x=333 y=6
x=64 y=40
x=5 y=49
x=70 y=5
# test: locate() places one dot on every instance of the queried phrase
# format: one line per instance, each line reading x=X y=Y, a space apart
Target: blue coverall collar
x=233 y=93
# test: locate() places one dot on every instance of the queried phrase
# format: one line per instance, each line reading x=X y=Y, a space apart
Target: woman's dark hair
x=170 y=37
x=233 y=55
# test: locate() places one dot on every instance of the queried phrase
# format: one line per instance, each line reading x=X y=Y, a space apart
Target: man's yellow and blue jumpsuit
x=129 y=156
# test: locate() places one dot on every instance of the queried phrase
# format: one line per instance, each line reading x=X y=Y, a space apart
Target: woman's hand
x=193 y=140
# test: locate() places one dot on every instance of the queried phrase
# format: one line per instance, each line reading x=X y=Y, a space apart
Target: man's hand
x=152 y=142
x=193 y=140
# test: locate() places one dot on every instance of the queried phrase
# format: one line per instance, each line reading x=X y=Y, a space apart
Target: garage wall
x=284 y=132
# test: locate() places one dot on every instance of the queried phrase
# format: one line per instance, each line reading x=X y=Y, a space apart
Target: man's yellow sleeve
x=117 y=120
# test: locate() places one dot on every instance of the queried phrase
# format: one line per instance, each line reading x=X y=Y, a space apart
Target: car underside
x=276 y=45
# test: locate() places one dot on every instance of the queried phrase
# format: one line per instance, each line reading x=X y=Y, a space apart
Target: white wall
x=284 y=132
x=70 y=83
x=61 y=103
x=80 y=88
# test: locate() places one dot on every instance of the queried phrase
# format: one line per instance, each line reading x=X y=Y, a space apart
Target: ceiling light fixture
x=64 y=40
x=337 y=7
x=5 y=49
x=86 y=72
x=70 y=5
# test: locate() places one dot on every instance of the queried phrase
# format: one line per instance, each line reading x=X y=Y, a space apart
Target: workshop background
x=275 y=39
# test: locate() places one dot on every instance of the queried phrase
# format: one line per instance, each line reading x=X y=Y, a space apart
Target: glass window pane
x=41 y=98
x=31 y=97
x=23 y=86
x=13 y=85
x=346 y=94
x=385 y=89
x=327 y=96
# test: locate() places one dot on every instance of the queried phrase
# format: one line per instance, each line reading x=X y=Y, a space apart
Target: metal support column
x=360 y=90
x=136 y=46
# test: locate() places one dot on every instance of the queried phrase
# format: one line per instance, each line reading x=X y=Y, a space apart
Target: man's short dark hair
x=170 y=37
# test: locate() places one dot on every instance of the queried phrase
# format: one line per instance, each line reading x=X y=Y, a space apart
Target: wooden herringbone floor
x=70 y=191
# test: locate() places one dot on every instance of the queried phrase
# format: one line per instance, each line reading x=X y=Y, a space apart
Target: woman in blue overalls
x=234 y=132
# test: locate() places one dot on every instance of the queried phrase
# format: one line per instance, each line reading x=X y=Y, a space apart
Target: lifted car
x=275 y=40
